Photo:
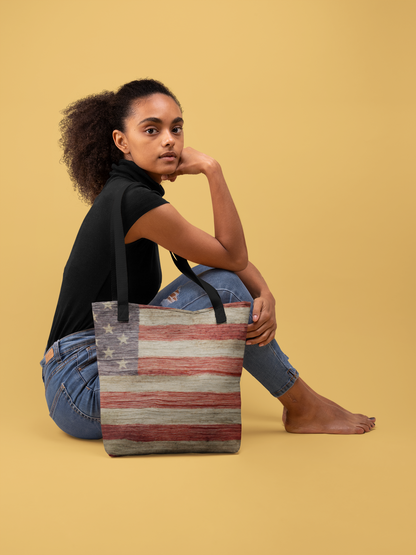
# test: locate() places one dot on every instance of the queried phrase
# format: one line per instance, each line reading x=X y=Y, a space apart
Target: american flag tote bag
x=169 y=378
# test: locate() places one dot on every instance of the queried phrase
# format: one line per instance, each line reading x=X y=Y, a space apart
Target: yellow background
x=310 y=108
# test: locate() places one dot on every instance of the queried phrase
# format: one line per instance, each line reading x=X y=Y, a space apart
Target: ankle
x=299 y=400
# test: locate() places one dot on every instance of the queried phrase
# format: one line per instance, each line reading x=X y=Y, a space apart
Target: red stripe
x=190 y=366
x=211 y=332
x=143 y=432
x=170 y=400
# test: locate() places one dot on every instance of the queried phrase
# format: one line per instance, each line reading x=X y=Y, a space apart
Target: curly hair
x=87 y=133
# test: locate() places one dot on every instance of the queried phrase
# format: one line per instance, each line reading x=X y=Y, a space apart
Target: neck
x=155 y=176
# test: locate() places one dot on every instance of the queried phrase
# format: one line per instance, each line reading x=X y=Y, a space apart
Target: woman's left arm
x=264 y=325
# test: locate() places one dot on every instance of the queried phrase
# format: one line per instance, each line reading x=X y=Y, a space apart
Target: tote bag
x=169 y=378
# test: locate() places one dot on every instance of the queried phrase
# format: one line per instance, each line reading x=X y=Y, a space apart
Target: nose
x=168 y=139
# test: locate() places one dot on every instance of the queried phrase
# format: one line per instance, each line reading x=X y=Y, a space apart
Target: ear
x=120 y=140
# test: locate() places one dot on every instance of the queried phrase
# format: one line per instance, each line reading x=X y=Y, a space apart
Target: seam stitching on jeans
x=55 y=401
x=288 y=368
x=205 y=295
x=58 y=368
x=285 y=388
x=75 y=408
x=77 y=347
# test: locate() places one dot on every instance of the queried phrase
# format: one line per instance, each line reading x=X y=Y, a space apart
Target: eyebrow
x=157 y=120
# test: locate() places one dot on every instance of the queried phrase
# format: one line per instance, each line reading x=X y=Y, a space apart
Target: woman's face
x=153 y=135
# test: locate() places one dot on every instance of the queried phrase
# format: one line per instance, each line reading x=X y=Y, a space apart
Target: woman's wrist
x=211 y=168
x=267 y=294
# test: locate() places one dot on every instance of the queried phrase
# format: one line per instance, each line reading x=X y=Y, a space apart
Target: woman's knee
x=191 y=296
x=228 y=284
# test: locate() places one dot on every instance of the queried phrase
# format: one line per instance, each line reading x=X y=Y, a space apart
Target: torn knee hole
x=173 y=297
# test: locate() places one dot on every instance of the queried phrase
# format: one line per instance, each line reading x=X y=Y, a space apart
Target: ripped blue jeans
x=71 y=379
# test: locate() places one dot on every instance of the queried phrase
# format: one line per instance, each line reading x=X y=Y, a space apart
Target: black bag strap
x=120 y=288
x=183 y=266
x=119 y=267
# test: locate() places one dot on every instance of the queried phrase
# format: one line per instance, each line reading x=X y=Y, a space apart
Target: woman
x=137 y=134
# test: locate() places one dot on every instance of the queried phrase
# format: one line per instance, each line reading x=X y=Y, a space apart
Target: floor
x=282 y=492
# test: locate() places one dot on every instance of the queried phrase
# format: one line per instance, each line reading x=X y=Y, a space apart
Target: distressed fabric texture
x=170 y=379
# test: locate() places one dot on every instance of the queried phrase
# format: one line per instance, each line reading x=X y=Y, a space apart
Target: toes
x=367 y=422
x=365 y=426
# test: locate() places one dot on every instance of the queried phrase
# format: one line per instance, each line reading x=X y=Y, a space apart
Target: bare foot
x=324 y=399
x=332 y=402
x=307 y=412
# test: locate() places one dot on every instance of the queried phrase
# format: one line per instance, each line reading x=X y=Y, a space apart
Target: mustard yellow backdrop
x=309 y=105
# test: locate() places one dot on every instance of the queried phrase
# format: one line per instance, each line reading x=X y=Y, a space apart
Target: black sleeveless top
x=87 y=274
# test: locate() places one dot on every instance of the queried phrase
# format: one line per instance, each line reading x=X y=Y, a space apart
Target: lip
x=168 y=155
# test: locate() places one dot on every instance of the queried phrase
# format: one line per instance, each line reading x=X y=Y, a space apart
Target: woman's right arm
x=165 y=226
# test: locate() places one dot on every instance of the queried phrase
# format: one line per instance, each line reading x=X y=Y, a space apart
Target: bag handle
x=183 y=266
x=120 y=284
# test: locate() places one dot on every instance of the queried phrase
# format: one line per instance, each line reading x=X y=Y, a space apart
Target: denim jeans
x=71 y=376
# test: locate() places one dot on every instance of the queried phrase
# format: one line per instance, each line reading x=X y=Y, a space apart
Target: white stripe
x=195 y=348
x=173 y=316
x=201 y=382
x=206 y=417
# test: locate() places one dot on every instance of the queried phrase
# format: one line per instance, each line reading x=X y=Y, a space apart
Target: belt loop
x=56 y=351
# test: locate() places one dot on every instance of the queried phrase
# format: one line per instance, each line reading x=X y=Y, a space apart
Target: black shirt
x=87 y=274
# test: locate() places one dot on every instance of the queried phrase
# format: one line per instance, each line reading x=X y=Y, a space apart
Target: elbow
x=240 y=263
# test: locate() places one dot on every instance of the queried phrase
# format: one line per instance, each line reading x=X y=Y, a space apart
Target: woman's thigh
x=72 y=386
x=171 y=289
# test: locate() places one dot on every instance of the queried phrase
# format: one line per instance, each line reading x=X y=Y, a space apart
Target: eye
x=151 y=131
x=177 y=129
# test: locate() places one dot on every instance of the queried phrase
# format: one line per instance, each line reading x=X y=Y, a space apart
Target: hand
x=264 y=325
x=191 y=162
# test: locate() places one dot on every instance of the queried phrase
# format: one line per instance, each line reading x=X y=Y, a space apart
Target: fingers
x=263 y=339
x=257 y=309
x=254 y=330
x=261 y=335
x=172 y=177
x=263 y=328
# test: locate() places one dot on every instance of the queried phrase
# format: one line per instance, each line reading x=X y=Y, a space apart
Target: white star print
x=108 y=329
x=122 y=364
x=107 y=304
x=109 y=353
x=123 y=339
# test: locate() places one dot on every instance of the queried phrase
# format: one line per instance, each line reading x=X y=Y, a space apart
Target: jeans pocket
x=85 y=355
x=87 y=367
x=69 y=418
x=53 y=367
